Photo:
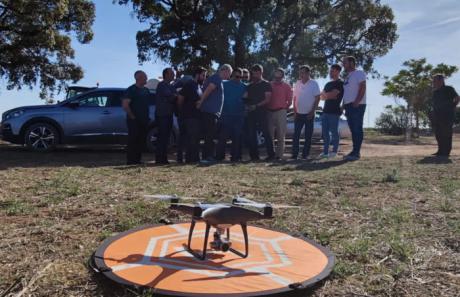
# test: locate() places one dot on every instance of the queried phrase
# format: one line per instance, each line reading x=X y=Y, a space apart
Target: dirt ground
x=392 y=219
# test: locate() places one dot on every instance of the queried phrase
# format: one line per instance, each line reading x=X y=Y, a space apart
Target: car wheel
x=41 y=137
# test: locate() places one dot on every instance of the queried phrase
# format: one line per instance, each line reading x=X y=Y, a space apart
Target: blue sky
x=426 y=28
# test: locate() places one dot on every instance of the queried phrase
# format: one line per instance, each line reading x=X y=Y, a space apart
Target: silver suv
x=91 y=117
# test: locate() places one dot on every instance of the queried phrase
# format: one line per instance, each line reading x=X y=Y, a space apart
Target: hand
x=355 y=104
x=251 y=107
x=198 y=103
x=311 y=115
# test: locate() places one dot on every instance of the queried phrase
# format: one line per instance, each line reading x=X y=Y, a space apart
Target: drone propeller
x=171 y=198
x=263 y=205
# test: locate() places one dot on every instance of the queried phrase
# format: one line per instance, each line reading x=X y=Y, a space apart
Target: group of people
x=234 y=104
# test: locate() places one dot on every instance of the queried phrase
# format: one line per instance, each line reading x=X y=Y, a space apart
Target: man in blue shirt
x=165 y=100
x=232 y=118
x=210 y=105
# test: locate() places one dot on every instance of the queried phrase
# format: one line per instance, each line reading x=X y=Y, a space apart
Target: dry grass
x=393 y=223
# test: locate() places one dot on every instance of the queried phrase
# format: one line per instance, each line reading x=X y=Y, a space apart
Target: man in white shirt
x=306 y=99
x=354 y=102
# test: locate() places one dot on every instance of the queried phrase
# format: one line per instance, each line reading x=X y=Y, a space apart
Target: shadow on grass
x=435 y=160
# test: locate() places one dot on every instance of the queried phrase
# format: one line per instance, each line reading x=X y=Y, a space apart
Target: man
x=277 y=109
x=246 y=77
x=444 y=101
x=332 y=94
x=232 y=117
x=165 y=101
x=259 y=93
x=354 y=102
x=306 y=99
x=190 y=115
x=210 y=105
x=136 y=104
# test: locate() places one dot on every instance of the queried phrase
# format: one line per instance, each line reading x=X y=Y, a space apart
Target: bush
x=393 y=121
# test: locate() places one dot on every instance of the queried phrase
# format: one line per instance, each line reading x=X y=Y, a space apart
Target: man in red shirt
x=277 y=108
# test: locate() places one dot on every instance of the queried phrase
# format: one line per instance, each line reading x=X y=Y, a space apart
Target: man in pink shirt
x=277 y=108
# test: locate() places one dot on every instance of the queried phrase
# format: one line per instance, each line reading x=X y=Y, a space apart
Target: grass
x=393 y=223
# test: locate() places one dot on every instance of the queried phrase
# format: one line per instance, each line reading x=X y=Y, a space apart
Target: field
x=392 y=218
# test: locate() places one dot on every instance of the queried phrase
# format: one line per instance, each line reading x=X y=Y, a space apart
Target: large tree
x=277 y=33
x=35 y=42
x=413 y=85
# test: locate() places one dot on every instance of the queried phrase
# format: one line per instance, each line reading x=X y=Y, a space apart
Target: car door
x=86 y=118
x=116 y=118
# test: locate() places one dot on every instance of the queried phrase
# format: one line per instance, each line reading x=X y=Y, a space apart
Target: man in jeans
x=259 y=93
x=210 y=105
x=232 y=118
x=332 y=94
x=279 y=103
x=165 y=100
x=136 y=104
x=306 y=99
x=444 y=101
x=189 y=114
x=354 y=101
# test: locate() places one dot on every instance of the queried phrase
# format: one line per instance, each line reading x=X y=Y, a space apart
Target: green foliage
x=393 y=121
x=413 y=85
x=277 y=33
x=35 y=44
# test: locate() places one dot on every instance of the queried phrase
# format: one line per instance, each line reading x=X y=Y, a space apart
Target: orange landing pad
x=156 y=257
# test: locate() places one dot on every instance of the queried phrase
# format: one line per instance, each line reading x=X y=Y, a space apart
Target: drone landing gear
x=218 y=243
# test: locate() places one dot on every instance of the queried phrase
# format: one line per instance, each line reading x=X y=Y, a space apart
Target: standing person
x=232 y=117
x=190 y=115
x=246 y=76
x=279 y=103
x=165 y=100
x=136 y=104
x=354 y=102
x=181 y=139
x=259 y=94
x=306 y=99
x=444 y=101
x=210 y=105
x=332 y=94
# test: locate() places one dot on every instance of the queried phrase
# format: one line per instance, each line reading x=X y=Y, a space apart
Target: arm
x=456 y=100
x=330 y=95
x=294 y=101
x=125 y=103
x=211 y=87
x=180 y=101
x=311 y=115
x=361 y=92
x=268 y=96
x=289 y=97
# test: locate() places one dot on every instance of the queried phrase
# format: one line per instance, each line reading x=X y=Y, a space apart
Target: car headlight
x=14 y=114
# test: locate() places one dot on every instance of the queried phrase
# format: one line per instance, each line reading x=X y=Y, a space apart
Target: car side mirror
x=73 y=104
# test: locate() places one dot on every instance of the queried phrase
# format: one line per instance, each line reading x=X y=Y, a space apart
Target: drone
x=221 y=216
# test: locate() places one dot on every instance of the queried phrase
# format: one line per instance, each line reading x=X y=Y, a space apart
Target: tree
x=35 y=45
x=278 y=33
x=393 y=121
x=413 y=85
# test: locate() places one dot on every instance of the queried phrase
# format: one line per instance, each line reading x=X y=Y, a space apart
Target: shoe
x=293 y=157
x=209 y=160
x=435 y=154
x=269 y=158
x=351 y=158
x=166 y=162
x=332 y=155
x=323 y=156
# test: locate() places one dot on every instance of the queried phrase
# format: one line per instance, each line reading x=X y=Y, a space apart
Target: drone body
x=221 y=216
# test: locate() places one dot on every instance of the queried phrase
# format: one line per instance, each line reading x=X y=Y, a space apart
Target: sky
x=426 y=28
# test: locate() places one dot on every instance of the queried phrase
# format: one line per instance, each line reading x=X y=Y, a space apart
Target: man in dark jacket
x=136 y=104
x=165 y=101
x=444 y=102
